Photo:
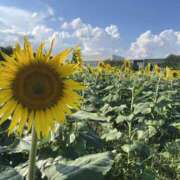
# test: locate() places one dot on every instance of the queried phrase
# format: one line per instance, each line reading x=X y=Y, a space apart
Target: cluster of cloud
x=96 y=42
x=149 y=45
x=15 y=23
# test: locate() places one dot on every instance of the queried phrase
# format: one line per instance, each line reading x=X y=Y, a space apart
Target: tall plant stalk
x=32 y=156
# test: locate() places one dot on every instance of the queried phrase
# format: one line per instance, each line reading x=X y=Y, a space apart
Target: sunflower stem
x=32 y=156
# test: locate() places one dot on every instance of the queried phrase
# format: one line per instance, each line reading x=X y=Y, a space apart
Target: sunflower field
x=127 y=128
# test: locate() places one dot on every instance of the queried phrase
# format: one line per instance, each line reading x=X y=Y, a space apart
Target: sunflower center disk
x=38 y=86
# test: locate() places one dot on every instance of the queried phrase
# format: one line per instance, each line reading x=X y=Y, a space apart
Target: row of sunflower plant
x=126 y=126
x=140 y=118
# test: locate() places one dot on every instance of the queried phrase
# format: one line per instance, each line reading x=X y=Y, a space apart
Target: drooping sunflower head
x=36 y=89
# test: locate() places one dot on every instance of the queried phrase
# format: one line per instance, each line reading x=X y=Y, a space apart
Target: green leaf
x=121 y=118
x=139 y=148
x=176 y=125
x=151 y=131
x=108 y=110
x=146 y=134
x=166 y=155
x=140 y=134
x=83 y=115
x=143 y=108
x=155 y=122
x=109 y=88
x=9 y=173
x=112 y=135
x=72 y=137
x=88 y=167
x=148 y=175
x=129 y=147
x=24 y=145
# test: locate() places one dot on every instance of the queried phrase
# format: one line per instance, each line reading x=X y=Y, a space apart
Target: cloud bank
x=96 y=42
x=149 y=45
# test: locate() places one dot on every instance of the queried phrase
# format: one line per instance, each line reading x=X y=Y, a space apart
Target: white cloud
x=64 y=35
x=77 y=23
x=149 y=45
x=113 y=31
x=41 y=33
x=34 y=15
x=96 y=42
x=15 y=23
x=74 y=24
x=20 y=18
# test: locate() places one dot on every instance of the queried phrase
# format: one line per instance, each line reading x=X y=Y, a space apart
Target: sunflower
x=127 y=66
x=148 y=70
x=168 y=75
x=36 y=89
x=157 y=70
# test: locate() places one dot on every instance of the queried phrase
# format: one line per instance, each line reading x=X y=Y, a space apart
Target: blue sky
x=132 y=28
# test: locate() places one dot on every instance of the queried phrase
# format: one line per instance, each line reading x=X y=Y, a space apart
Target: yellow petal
x=50 y=50
x=45 y=127
x=41 y=122
x=71 y=95
x=28 y=48
x=5 y=84
x=73 y=85
x=10 y=65
x=39 y=54
x=21 y=57
x=7 y=58
x=37 y=123
x=15 y=119
x=67 y=69
x=61 y=105
x=49 y=118
x=23 y=120
x=17 y=47
x=30 y=120
x=60 y=114
x=61 y=57
x=7 y=75
x=54 y=114
x=5 y=95
x=71 y=98
x=7 y=110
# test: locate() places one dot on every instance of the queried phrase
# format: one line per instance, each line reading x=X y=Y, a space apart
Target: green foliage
x=127 y=128
x=9 y=173
x=87 y=167
x=144 y=115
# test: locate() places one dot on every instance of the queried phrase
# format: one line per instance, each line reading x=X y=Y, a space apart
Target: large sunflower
x=35 y=89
